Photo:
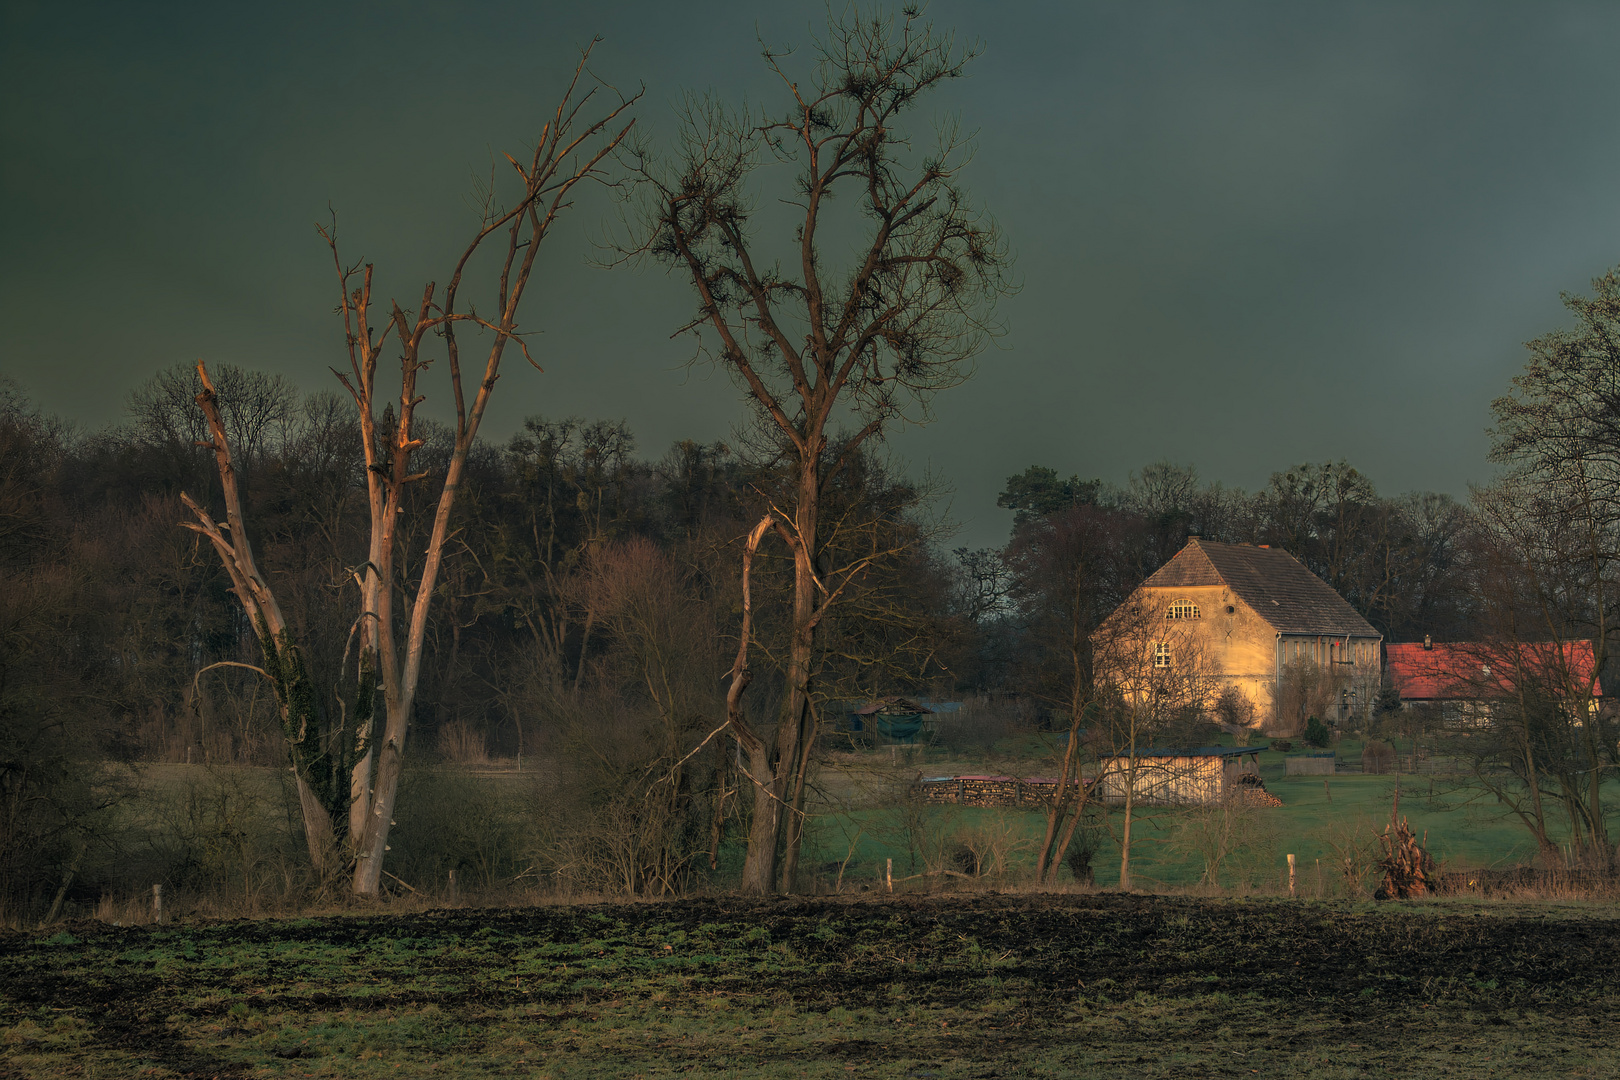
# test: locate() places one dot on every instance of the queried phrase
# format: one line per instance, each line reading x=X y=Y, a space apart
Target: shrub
x=1083 y=848
x=463 y=743
x=1316 y=733
x=1377 y=757
x=1235 y=713
x=979 y=725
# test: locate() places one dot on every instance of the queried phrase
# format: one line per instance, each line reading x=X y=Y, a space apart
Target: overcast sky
x=1249 y=235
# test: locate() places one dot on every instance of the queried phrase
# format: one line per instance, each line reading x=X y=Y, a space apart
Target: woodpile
x=1251 y=790
x=1408 y=869
x=938 y=789
x=990 y=790
x=985 y=790
x=1037 y=792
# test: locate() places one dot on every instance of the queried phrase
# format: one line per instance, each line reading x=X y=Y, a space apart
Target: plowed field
x=990 y=986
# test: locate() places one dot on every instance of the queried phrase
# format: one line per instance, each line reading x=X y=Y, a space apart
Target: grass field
x=1461 y=832
x=1075 y=985
x=861 y=822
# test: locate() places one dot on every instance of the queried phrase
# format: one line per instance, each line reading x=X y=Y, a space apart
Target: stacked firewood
x=1408 y=869
x=1251 y=790
x=940 y=789
x=987 y=790
x=990 y=791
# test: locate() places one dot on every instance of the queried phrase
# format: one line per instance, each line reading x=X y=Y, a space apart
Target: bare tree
x=1070 y=569
x=571 y=148
x=1151 y=670
x=816 y=340
x=1525 y=720
x=1553 y=524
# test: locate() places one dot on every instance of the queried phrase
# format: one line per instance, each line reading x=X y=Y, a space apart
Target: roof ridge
x=1275 y=583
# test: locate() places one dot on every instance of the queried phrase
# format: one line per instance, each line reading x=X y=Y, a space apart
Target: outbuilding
x=1179 y=777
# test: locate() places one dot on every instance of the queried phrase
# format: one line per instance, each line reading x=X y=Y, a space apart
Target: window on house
x=1161 y=654
x=1183 y=609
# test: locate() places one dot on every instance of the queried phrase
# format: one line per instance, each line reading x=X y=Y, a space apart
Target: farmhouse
x=1243 y=617
x=1466 y=680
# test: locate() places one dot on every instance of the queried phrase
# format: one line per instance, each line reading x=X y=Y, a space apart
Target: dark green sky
x=1249 y=234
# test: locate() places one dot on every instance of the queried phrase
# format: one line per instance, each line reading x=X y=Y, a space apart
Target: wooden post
x=157 y=903
x=61 y=894
x=1290 y=874
x=888 y=875
x=1327 y=790
x=455 y=894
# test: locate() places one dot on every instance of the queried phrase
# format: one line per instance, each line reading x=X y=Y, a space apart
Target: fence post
x=455 y=893
x=1327 y=791
x=157 y=904
x=1290 y=874
x=888 y=875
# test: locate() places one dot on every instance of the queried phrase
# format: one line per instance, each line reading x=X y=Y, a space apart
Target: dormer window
x=1183 y=609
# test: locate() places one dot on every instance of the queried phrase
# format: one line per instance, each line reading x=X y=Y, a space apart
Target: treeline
x=558 y=519
x=583 y=621
x=1407 y=563
x=588 y=608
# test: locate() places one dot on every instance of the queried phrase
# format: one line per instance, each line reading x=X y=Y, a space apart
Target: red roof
x=1463 y=670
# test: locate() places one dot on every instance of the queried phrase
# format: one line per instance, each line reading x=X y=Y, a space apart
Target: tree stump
x=1406 y=865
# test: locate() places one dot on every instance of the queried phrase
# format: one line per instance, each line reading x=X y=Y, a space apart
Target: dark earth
x=976 y=983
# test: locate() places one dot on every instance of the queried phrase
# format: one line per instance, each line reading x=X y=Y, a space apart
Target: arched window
x=1183 y=609
x=1161 y=654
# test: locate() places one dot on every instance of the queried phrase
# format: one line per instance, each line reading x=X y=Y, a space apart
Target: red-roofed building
x=1465 y=677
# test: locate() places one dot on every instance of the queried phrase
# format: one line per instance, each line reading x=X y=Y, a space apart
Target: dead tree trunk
x=570 y=149
x=310 y=744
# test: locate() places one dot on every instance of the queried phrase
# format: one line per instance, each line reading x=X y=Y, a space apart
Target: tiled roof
x=1470 y=671
x=1271 y=581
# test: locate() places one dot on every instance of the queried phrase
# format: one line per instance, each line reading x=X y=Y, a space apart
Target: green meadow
x=1319 y=816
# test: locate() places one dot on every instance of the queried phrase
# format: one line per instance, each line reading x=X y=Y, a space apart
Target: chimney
x=1427 y=644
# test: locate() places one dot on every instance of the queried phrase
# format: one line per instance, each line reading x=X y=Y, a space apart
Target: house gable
x=1272 y=583
x=1243 y=614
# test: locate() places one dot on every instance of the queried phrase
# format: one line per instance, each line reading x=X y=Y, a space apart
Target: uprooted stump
x=1408 y=868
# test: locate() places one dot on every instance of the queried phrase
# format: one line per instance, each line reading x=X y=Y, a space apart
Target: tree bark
x=759 y=865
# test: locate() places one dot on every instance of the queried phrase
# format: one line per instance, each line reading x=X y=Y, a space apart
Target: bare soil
x=987 y=985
